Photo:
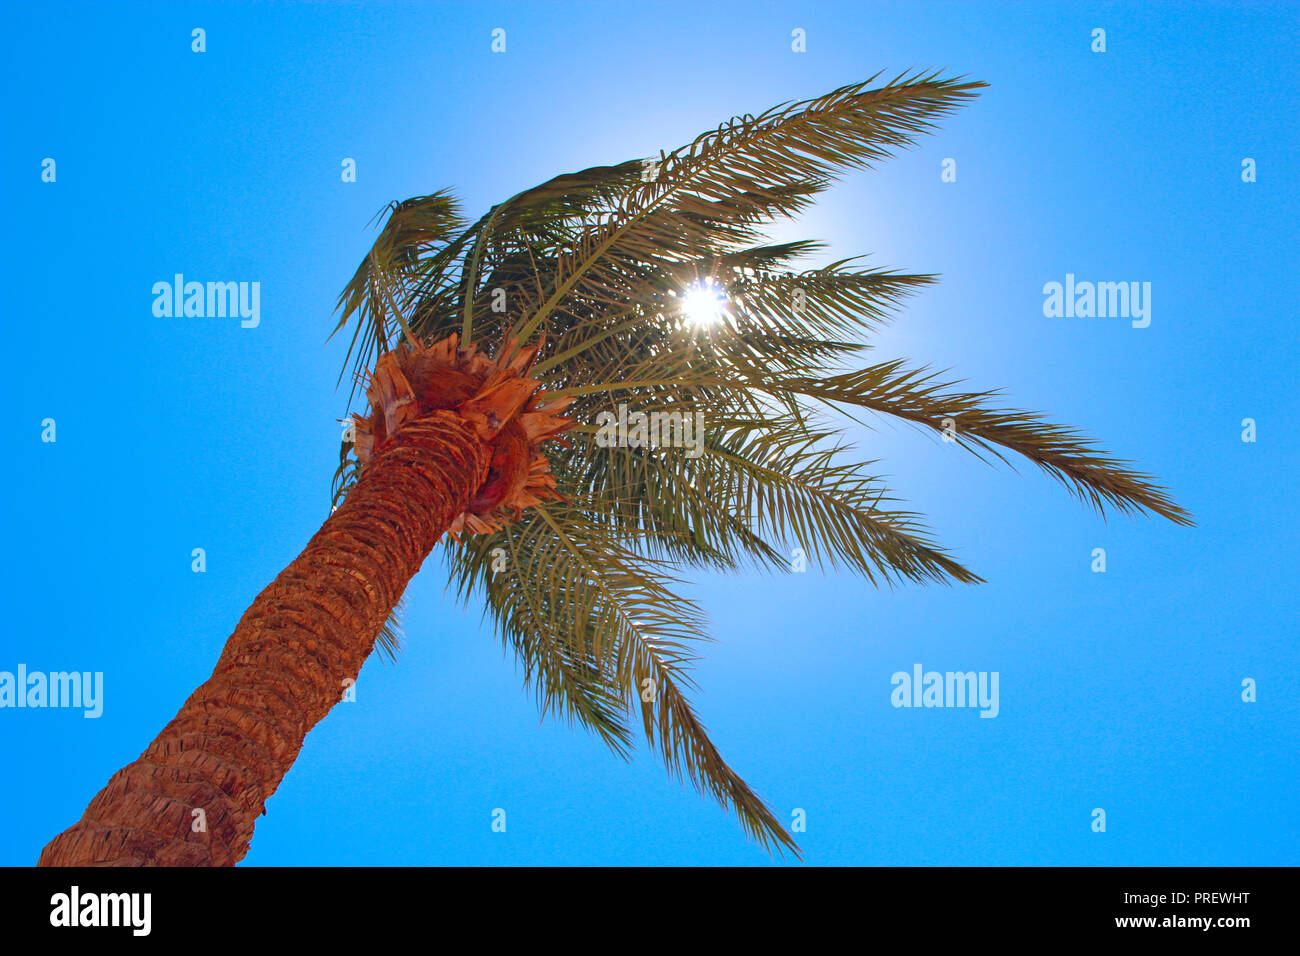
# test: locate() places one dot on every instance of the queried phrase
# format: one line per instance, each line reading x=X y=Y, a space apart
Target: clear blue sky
x=1119 y=690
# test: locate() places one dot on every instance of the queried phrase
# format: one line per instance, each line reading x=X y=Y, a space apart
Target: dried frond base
x=496 y=396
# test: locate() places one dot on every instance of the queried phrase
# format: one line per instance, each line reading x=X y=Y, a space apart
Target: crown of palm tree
x=595 y=269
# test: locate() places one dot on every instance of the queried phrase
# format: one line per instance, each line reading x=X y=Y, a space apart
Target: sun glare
x=704 y=303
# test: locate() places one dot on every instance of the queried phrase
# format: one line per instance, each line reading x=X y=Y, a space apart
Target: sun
x=704 y=303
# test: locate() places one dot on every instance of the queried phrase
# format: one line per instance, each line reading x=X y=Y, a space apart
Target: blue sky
x=1118 y=690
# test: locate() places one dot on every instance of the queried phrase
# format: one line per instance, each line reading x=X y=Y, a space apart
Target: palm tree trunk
x=285 y=665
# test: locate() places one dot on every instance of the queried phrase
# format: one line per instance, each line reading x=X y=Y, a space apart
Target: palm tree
x=488 y=353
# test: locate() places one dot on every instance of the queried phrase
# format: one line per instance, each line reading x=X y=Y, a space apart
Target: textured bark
x=285 y=666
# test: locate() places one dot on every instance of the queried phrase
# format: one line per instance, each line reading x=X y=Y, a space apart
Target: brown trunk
x=285 y=665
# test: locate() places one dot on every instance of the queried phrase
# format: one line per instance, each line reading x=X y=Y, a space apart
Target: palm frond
x=746 y=173
x=569 y=589
x=1064 y=453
